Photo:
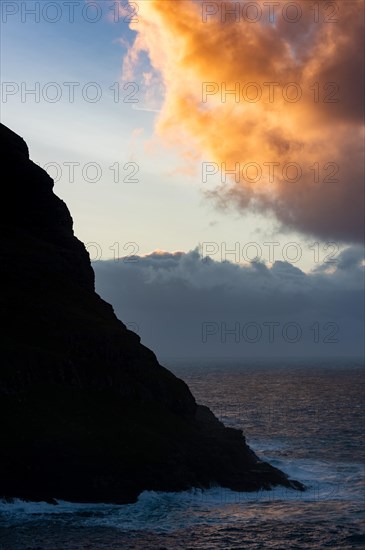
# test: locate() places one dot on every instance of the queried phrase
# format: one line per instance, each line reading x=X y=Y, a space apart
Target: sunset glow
x=277 y=101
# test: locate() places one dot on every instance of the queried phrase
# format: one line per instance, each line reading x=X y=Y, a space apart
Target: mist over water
x=305 y=417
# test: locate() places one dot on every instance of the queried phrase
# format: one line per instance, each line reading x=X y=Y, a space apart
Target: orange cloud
x=275 y=97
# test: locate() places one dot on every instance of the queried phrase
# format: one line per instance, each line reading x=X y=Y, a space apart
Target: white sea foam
x=326 y=457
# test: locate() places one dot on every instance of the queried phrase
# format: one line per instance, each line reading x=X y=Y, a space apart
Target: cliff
x=88 y=413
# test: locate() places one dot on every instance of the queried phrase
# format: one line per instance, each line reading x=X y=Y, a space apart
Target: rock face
x=87 y=412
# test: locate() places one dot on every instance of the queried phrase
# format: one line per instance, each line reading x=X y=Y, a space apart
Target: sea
x=306 y=417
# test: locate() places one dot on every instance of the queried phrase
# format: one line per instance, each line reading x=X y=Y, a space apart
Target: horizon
x=183 y=274
x=162 y=155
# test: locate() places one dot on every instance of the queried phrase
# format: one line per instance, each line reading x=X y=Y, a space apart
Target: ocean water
x=305 y=417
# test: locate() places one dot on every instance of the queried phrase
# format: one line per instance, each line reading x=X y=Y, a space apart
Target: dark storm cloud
x=183 y=305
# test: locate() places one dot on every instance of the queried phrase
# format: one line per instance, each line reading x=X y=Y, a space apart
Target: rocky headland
x=87 y=412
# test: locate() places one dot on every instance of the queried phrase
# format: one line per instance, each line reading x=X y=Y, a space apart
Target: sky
x=220 y=146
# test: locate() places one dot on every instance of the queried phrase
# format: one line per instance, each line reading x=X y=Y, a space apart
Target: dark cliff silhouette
x=87 y=412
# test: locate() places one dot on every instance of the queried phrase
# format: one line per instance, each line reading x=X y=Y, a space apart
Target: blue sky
x=129 y=192
x=167 y=208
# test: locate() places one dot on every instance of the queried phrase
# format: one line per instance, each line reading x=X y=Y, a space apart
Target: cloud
x=184 y=305
x=310 y=151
